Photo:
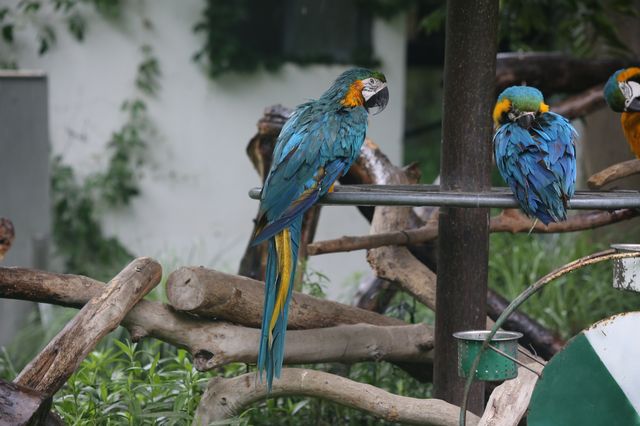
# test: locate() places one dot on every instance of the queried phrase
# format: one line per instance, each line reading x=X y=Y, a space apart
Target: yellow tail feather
x=283 y=249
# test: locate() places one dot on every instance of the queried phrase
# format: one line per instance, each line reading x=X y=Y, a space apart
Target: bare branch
x=510 y=220
x=581 y=104
x=61 y=357
x=226 y=398
x=614 y=173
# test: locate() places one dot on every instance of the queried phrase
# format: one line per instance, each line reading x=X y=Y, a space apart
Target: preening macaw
x=318 y=144
x=535 y=153
x=622 y=93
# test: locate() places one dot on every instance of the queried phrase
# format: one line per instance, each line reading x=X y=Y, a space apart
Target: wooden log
x=20 y=405
x=61 y=357
x=226 y=398
x=212 y=294
x=508 y=402
x=214 y=344
x=613 y=173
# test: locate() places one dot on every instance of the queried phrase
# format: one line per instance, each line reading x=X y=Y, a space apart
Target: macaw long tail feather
x=281 y=270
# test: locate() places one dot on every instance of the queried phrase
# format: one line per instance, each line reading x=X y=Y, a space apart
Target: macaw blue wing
x=312 y=151
x=539 y=165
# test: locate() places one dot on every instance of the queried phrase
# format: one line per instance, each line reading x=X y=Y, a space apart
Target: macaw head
x=519 y=104
x=359 y=87
x=622 y=91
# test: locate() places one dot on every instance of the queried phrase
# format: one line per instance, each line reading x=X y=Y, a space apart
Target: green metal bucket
x=493 y=365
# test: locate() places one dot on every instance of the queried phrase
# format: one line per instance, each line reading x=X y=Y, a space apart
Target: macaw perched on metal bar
x=622 y=93
x=318 y=144
x=535 y=153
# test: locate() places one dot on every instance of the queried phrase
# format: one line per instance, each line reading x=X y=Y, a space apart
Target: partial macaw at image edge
x=622 y=94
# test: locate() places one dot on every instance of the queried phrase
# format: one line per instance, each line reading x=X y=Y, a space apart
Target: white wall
x=194 y=206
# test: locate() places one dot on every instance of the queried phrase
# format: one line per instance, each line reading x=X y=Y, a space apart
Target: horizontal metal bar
x=431 y=195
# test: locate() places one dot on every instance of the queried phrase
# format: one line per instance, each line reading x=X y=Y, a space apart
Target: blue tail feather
x=270 y=357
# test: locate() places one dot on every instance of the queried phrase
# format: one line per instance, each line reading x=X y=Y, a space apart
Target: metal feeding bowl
x=495 y=364
x=626 y=271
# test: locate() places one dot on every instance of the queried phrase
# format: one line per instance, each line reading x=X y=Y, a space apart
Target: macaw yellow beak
x=377 y=99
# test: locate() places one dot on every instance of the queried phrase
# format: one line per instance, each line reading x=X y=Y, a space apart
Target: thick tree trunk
x=463 y=245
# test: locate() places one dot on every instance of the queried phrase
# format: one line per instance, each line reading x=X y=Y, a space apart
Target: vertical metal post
x=463 y=242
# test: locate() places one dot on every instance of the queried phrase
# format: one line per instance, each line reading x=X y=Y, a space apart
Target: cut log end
x=184 y=289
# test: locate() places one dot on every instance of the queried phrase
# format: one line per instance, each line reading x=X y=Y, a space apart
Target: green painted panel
x=577 y=389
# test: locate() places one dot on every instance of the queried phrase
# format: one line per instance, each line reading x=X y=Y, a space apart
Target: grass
x=572 y=302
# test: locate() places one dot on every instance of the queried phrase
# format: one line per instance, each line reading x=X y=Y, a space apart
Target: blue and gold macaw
x=622 y=93
x=535 y=153
x=316 y=145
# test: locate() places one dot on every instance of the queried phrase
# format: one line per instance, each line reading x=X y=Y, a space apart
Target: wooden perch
x=614 y=173
x=509 y=220
x=213 y=294
x=214 y=344
x=509 y=402
x=226 y=398
x=51 y=368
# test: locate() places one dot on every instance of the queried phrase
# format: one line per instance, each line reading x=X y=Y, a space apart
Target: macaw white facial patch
x=630 y=90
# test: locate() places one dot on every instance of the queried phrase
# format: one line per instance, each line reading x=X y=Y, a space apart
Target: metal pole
x=463 y=243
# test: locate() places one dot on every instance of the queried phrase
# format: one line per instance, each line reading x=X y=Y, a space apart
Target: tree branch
x=225 y=398
x=214 y=344
x=614 y=173
x=581 y=104
x=51 y=368
x=510 y=220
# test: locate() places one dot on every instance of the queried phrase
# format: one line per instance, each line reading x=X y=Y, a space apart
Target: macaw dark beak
x=525 y=120
x=378 y=101
x=634 y=105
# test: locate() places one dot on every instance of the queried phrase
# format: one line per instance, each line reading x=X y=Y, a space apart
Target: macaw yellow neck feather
x=631 y=127
x=354 y=97
x=500 y=108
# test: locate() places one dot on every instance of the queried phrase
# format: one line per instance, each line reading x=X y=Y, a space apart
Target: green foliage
x=569 y=304
x=118 y=184
x=245 y=36
x=148 y=76
x=134 y=384
x=31 y=14
x=577 y=26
